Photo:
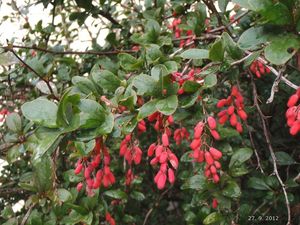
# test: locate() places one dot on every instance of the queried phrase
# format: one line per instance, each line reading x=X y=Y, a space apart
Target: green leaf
x=191 y=86
x=240 y=156
x=284 y=159
x=232 y=190
x=43 y=174
x=237 y=171
x=44 y=140
x=85 y=85
x=41 y=111
x=231 y=47
x=147 y=109
x=14 y=122
x=212 y=218
x=197 y=182
x=168 y=105
x=252 y=38
x=7 y=59
x=195 y=54
x=139 y=196
x=216 y=52
x=159 y=70
x=117 y=194
x=129 y=63
x=64 y=195
x=278 y=14
x=144 y=84
x=210 y=80
x=171 y=66
x=105 y=79
x=281 y=49
x=258 y=184
x=92 y=114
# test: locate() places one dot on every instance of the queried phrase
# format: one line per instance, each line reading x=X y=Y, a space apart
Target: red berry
x=171 y=176
x=161 y=182
x=79 y=186
x=221 y=103
x=215 y=134
x=211 y=122
x=242 y=114
x=215 y=153
x=208 y=158
x=215 y=203
x=165 y=140
x=239 y=127
x=233 y=120
x=293 y=100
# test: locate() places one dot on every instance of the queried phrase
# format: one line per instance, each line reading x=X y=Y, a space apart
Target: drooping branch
x=68 y=52
x=271 y=150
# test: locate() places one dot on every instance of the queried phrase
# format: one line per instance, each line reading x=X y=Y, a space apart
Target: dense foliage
x=189 y=114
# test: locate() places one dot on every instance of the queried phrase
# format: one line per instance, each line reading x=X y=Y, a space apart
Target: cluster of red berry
x=258 y=68
x=235 y=103
x=180 y=134
x=103 y=175
x=181 y=78
x=200 y=153
x=130 y=150
x=293 y=114
x=177 y=31
x=109 y=219
x=167 y=159
x=159 y=122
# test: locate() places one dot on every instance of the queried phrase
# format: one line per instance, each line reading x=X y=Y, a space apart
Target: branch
x=275 y=86
x=108 y=16
x=211 y=6
x=229 y=24
x=68 y=52
x=273 y=156
x=155 y=205
x=27 y=214
x=36 y=73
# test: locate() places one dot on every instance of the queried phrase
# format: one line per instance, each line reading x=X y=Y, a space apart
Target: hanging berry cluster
x=132 y=153
x=293 y=114
x=235 y=109
x=181 y=78
x=258 y=68
x=180 y=134
x=202 y=152
x=130 y=150
x=166 y=158
x=177 y=32
x=95 y=176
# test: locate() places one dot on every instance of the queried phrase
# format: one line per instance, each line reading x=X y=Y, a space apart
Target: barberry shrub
x=188 y=114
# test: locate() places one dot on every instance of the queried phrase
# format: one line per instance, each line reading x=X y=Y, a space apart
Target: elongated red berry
x=79 y=186
x=78 y=168
x=163 y=157
x=208 y=158
x=293 y=100
x=196 y=143
x=223 y=119
x=171 y=175
x=216 y=178
x=161 y=182
x=233 y=120
x=230 y=110
x=239 y=127
x=217 y=164
x=215 y=153
x=151 y=149
x=295 y=128
x=221 y=103
x=211 y=122
x=215 y=203
x=242 y=114
x=215 y=134
x=165 y=140
x=213 y=169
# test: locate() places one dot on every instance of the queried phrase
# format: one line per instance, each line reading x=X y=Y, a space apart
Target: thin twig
x=155 y=205
x=25 y=218
x=36 y=73
x=68 y=52
x=275 y=86
x=273 y=156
